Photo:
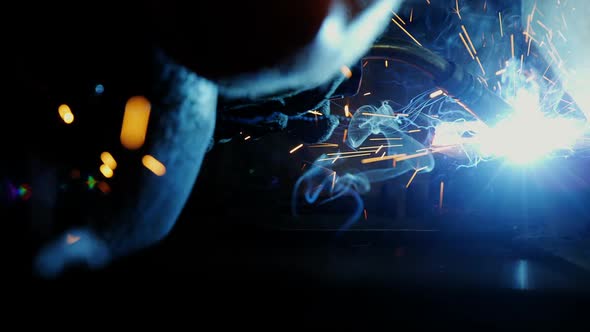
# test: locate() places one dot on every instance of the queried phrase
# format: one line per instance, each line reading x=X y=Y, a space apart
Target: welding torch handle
x=473 y=95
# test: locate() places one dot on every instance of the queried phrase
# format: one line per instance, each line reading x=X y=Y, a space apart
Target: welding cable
x=457 y=83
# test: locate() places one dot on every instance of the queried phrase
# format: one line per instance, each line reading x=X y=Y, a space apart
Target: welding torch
x=452 y=79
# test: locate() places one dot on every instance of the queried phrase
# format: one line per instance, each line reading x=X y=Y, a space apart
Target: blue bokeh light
x=99 y=89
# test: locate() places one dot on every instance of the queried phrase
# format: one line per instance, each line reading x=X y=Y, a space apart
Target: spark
x=414 y=175
x=466 y=46
x=436 y=93
x=480 y=65
x=315 y=112
x=386 y=139
x=549 y=31
x=528 y=28
x=367 y=94
x=365 y=213
x=380 y=147
x=414 y=131
x=296 y=148
x=346 y=71
x=482 y=80
x=548 y=66
x=377 y=146
x=411 y=15
x=376 y=159
x=345 y=135
x=347 y=112
x=386 y=63
x=247 y=137
x=135 y=122
x=323 y=145
x=407 y=33
x=333 y=179
x=345 y=153
x=500 y=72
x=457 y=11
x=153 y=165
x=441 y=195
x=108 y=160
x=512 y=44
x=383 y=155
x=106 y=171
x=555 y=52
x=469 y=39
x=399 y=18
x=346 y=157
x=548 y=80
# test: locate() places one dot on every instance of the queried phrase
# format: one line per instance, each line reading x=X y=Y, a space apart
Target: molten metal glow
x=523 y=137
